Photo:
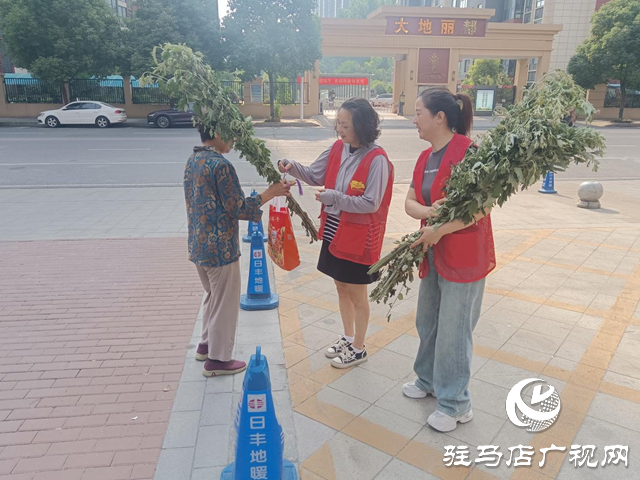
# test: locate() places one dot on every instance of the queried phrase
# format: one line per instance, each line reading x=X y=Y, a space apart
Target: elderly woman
x=215 y=203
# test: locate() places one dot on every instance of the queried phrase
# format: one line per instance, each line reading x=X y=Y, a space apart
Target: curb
x=262 y=124
x=138 y=123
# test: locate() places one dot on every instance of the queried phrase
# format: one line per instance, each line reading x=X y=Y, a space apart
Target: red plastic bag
x=282 y=245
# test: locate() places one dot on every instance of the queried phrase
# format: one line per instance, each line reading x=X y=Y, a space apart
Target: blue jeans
x=446 y=316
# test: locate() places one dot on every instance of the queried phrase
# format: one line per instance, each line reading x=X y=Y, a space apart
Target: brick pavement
x=93 y=336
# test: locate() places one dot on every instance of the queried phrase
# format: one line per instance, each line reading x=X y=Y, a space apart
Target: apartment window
x=533 y=71
x=538 y=15
x=528 y=11
x=121 y=11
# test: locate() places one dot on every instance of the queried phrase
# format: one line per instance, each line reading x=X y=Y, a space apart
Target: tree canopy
x=612 y=51
x=59 y=40
x=192 y=22
x=279 y=37
x=487 y=72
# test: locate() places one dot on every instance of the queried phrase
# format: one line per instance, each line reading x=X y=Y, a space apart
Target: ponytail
x=457 y=108
x=465 y=119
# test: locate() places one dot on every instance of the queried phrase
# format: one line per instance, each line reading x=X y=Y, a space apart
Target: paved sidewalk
x=92 y=342
x=94 y=334
x=562 y=306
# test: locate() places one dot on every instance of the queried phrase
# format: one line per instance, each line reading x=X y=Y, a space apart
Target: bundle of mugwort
x=182 y=75
x=530 y=140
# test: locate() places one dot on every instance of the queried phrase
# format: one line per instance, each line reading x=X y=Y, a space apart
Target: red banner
x=344 y=81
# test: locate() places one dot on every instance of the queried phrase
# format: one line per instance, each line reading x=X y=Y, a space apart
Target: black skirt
x=343 y=270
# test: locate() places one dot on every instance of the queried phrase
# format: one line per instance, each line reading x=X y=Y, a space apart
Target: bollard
x=259 y=296
x=253 y=226
x=259 y=443
x=548 y=185
x=590 y=194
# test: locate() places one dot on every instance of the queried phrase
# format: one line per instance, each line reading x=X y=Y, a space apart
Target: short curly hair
x=366 y=121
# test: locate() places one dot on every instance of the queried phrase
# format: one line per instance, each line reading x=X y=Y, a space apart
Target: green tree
x=487 y=72
x=349 y=67
x=380 y=68
x=278 y=37
x=59 y=40
x=612 y=51
x=362 y=8
x=155 y=22
x=378 y=87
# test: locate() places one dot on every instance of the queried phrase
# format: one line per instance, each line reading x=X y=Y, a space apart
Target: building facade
x=430 y=3
x=331 y=8
x=122 y=8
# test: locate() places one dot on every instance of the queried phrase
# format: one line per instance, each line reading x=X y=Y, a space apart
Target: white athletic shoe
x=411 y=390
x=446 y=423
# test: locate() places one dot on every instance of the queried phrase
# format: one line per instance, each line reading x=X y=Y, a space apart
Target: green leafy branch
x=530 y=140
x=182 y=74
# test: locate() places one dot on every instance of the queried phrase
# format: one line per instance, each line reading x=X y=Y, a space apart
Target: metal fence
x=32 y=90
x=108 y=91
x=287 y=93
x=148 y=95
x=235 y=89
x=613 y=97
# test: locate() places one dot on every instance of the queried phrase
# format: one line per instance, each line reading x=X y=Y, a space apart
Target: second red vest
x=467 y=255
x=359 y=236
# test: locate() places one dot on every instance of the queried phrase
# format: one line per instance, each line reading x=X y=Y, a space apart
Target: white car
x=100 y=114
x=382 y=100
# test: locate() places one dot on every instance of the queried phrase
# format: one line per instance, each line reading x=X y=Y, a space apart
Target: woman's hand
x=284 y=166
x=325 y=196
x=280 y=189
x=433 y=209
x=430 y=236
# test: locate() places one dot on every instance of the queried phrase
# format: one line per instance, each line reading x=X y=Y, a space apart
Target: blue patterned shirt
x=215 y=203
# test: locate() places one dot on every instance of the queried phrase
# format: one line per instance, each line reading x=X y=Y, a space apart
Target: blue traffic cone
x=548 y=185
x=259 y=296
x=259 y=437
x=253 y=226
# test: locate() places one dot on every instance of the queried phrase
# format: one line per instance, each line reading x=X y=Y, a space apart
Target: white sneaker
x=446 y=423
x=411 y=390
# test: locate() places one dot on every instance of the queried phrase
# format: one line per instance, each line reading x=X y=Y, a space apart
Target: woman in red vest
x=458 y=258
x=358 y=182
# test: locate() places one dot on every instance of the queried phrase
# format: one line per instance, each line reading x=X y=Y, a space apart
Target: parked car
x=382 y=100
x=168 y=118
x=100 y=114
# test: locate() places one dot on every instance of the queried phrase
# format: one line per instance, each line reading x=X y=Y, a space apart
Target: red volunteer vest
x=467 y=255
x=359 y=236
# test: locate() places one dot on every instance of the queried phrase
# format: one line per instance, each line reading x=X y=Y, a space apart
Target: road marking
x=86 y=163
